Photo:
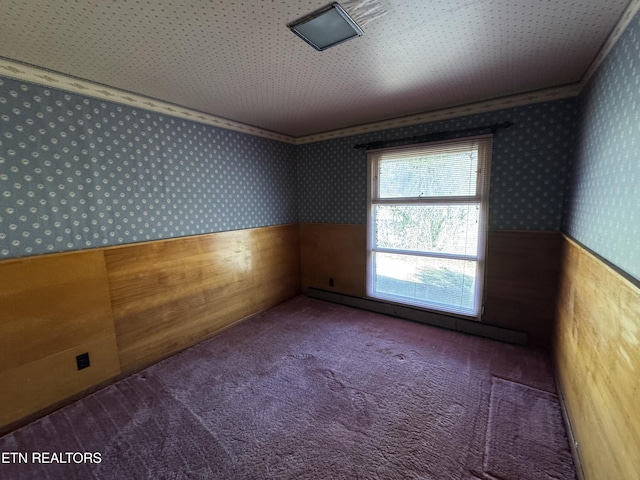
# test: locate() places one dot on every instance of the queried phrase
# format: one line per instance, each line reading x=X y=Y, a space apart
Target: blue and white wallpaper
x=80 y=173
x=529 y=168
x=603 y=202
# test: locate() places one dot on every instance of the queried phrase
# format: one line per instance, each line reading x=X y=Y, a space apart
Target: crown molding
x=528 y=98
x=47 y=78
x=624 y=21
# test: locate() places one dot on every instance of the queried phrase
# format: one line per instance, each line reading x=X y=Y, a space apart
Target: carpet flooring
x=313 y=390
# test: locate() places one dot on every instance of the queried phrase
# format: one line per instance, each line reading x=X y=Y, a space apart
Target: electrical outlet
x=82 y=360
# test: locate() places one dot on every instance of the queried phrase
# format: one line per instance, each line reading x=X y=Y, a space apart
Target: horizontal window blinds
x=427 y=224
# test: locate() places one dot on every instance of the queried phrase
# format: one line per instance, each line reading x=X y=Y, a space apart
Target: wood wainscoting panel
x=597 y=359
x=54 y=307
x=521 y=282
x=277 y=265
x=170 y=294
x=337 y=251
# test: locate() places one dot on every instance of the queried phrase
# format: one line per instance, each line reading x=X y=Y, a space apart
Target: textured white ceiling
x=238 y=60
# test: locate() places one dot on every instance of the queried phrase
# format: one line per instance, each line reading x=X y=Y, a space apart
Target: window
x=427 y=224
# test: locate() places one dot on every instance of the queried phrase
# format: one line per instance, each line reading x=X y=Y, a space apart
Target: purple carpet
x=313 y=390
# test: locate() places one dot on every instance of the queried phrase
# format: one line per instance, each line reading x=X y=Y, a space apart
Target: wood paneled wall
x=129 y=306
x=522 y=273
x=53 y=307
x=338 y=251
x=132 y=305
x=597 y=357
x=522 y=282
x=169 y=295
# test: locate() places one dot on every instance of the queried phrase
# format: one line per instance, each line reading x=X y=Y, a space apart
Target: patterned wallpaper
x=529 y=168
x=603 y=203
x=79 y=173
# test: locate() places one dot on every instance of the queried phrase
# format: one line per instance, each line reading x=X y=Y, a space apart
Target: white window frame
x=481 y=197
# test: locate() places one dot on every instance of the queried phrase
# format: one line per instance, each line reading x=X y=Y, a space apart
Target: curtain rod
x=433 y=137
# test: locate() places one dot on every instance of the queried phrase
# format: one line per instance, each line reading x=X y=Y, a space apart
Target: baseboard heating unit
x=449 y=322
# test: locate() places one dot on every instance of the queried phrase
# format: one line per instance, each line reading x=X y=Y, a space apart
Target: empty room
x=373 y=239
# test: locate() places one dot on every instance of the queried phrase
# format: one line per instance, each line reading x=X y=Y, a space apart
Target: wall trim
x=573 y=442
x=47 y=78
x=538 y=96
x=624 y=21
x=115 y=246
x=619 y=271
x=51 y=79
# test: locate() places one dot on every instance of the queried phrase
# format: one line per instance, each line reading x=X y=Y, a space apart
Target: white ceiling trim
x=60 y=81
x=47 y=78
x=539 y=96
x=621 y=25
